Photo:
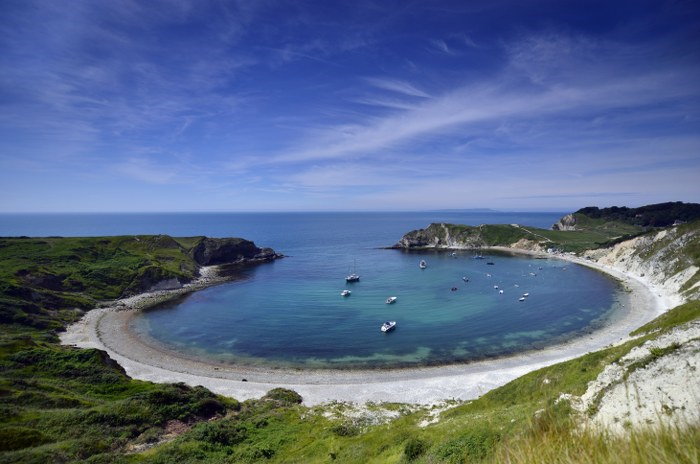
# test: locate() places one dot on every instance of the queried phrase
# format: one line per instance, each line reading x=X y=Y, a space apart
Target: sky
x=195 y=105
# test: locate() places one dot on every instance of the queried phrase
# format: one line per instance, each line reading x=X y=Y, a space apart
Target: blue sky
x=181 y=105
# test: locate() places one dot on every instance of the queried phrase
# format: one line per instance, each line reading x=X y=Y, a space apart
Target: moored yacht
x=388 y=326
x=353 y=277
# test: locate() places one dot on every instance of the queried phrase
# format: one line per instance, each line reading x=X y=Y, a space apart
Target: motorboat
x=501 y=292
x=422 y=264
x=388 y=326
x=496 y=287
x=522 y=298
x=390 y=300
x=478 y=257
x=465 y=279
x=345 y=293
x=526 y=295
x=453 y=254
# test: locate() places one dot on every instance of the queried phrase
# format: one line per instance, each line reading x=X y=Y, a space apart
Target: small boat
x=488 y=275
x=353 y=277
x=478 y=257
x=501 y=292
x=465 y=279
x=533 y=274
x=521 y=299
x=526 y=295
x=453 y=254
x=490 y=263
x=345 y=293
x=517 y=285
x=422 y=264
x=388 y=326
x=390 y=300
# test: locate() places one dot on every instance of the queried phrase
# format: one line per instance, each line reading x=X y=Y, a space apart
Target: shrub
x=474 y=445
x=413 y=448
x=14 y=438
x=345 y=430
x=284 y=396
x=222 y=432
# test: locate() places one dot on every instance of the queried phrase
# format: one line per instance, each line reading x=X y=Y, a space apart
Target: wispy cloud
x=440 y=46
x=398 y=86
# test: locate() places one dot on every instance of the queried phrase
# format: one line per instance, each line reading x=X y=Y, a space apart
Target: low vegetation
x=658 y=215
x=63 y=404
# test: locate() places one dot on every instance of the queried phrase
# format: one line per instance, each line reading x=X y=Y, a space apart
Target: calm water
x=290 y=312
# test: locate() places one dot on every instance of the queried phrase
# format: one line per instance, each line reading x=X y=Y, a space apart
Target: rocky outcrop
x=664 y=259
x=450 y=236
x=654 y=383
x=568 y=222
x=213 y=251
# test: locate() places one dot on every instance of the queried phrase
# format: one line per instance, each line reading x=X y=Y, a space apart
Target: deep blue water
x=290 y=312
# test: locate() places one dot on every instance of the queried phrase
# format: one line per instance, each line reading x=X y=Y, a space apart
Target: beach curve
x=108 y=329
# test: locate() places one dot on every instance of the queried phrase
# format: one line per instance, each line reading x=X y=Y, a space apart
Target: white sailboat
x=353 y=277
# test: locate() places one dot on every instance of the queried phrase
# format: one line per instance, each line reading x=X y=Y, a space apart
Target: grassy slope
x=574 y=240
x=40 y=278
x=60 y=404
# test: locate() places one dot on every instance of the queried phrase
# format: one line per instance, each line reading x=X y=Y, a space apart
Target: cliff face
x=212 y=251
x=668 y=259
x=568 y=222
x=439 y=235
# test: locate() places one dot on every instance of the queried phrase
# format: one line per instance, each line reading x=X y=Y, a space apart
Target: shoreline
x=107 y=328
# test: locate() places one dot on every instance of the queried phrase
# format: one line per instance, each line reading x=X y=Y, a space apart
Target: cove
x=290 y=314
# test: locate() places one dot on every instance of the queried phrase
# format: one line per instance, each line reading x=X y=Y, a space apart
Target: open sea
x=290 y=313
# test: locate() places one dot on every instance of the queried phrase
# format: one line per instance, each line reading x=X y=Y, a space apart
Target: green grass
x=679 y=315
x=62 y=404
x=506 y=235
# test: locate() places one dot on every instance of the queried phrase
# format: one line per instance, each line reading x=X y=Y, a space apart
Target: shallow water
x=283 y=314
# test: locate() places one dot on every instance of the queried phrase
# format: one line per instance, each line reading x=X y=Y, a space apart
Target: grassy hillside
x=596 y=235
x=62 y=404
x=657 y=215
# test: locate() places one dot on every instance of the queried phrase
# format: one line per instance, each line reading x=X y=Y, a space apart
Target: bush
x=473 y=445
x=14 y=438
x=222 y=432
x=345 y=430
x=284 y=396
x=414 y=447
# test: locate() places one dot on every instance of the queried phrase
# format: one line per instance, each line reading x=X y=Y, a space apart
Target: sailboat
x=354 y=277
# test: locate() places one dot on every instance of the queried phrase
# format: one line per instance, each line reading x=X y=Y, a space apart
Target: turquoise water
x=290 y=312
x=284 y=314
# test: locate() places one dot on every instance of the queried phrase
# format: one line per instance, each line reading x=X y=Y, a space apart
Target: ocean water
x=290 y=312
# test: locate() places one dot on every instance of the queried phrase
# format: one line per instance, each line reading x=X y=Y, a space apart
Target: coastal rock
x=568 y=222
x=212 y=251
x=451 y=236
x=662 y=259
